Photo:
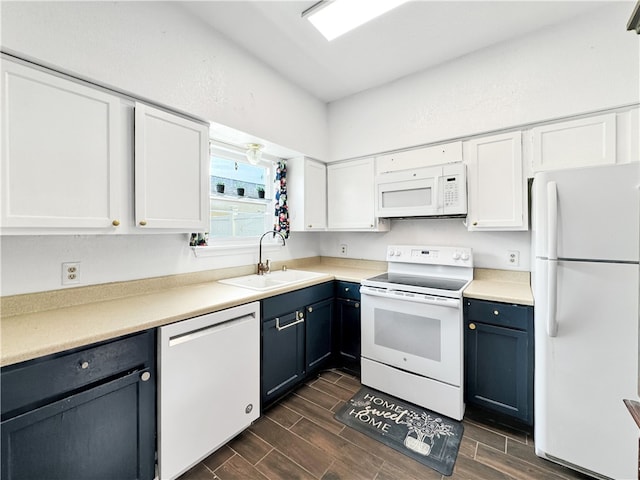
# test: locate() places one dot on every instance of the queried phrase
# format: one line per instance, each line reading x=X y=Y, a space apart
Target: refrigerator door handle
x=552 y=285
x=552 y=250
x=552 y=221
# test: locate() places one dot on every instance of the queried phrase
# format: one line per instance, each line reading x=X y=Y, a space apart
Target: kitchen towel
x=423 y=435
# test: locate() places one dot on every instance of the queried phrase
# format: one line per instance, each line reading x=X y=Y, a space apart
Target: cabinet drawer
x=34 y=381
x=285 y=303
x=348 y=290
x=500 y=314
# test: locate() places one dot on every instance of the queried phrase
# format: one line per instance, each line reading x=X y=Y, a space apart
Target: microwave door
x=407 y=198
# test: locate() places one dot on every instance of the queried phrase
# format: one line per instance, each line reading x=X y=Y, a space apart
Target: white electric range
x=412 y=342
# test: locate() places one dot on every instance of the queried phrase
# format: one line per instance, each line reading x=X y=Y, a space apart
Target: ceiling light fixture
x=336 y=17
x=254 y=153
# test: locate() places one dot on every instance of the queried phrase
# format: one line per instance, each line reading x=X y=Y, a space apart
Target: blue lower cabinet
x=87 y=413
x=296 y=339
x=319 y=335
x=499 y=358
x=347 y=327
x=283 y=341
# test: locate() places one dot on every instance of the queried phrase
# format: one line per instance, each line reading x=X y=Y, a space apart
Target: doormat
x=423 y=435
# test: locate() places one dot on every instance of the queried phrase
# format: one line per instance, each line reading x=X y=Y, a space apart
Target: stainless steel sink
x=273 y=280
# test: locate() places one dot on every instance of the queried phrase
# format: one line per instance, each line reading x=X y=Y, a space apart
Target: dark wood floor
x=300 y=439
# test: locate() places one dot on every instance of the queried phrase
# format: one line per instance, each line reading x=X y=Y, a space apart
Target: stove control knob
x=391 y=253
x=465 y=257
x=456 y=255
x=398 y=253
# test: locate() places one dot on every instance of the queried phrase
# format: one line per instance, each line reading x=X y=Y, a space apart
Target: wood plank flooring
x=299 y=439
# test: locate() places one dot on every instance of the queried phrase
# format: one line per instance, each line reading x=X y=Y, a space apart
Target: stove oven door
x=413 y=332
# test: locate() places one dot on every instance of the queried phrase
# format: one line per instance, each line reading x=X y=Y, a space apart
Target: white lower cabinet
x=496 y=184
x=68 y=160
x=351 y=197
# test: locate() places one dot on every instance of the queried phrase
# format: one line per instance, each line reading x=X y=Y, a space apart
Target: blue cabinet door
x=499 y=358
x=318 y=341
x=347 y=326
x=282 y=355
x=105 y=432
x=348 y=334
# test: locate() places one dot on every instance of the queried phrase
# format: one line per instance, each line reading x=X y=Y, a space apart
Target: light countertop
x=64 y=320
x=500 y=286
x=35 y=334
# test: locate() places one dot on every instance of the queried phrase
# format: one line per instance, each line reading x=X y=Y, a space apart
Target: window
x=240 y=196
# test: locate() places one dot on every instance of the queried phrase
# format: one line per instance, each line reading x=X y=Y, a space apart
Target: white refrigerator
x=585 y=282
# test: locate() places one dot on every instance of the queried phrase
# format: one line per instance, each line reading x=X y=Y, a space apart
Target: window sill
x=238 y=198
x=233 y=249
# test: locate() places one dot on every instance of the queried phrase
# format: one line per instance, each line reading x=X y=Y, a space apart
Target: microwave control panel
x=451 y=191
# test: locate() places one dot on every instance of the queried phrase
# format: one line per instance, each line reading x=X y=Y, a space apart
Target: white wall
x=489 y=248
x=161 y=52
x=588 y=64
x=34 y=264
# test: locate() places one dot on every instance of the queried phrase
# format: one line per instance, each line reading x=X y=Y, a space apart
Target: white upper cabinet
x=351 y=197
x=171 y=171
x=61 y=154
x=497 y=193
x=419 y=158
x=575 y=143
x=307 y=194
x=68 y=164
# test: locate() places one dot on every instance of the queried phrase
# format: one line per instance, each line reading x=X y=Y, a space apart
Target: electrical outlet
x=70 y=273
x=513 y=258
x=343 y=249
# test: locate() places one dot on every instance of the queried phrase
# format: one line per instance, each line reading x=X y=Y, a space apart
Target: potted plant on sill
x=260 y=190
x=240 y=190
x=219 y=187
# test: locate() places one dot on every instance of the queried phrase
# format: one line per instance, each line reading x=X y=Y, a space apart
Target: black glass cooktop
x=420 y=281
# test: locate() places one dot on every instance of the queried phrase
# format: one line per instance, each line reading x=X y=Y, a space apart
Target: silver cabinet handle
x=357 y=305
x=145 y=376
x=310 y=309
x=298 y=315
x=84 y=365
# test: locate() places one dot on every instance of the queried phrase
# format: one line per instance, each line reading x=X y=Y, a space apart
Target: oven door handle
x=410 y=297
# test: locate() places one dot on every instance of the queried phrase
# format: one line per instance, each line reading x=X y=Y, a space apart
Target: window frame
x=242 y=245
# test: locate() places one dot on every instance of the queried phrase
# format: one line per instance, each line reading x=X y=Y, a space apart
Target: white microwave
x=422 y=192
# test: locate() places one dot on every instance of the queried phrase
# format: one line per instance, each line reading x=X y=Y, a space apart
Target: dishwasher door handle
x=208 y=330
x=299 y=315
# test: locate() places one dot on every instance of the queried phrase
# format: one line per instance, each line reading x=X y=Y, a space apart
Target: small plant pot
x=240 y=191
x=260 y=193
x=220 y=188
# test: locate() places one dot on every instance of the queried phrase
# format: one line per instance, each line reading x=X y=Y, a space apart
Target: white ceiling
x=411 y=38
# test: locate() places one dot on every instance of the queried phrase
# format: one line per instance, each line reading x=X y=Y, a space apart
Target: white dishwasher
x=208 y=384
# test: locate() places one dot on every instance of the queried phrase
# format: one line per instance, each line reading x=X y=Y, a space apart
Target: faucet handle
x=267 y=265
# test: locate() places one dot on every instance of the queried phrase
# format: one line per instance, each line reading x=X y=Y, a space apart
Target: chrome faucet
x=266 y=267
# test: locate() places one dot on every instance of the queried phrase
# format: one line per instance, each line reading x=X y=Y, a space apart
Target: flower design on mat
x=360 y=403
x=423 y=428
x=427 y=425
